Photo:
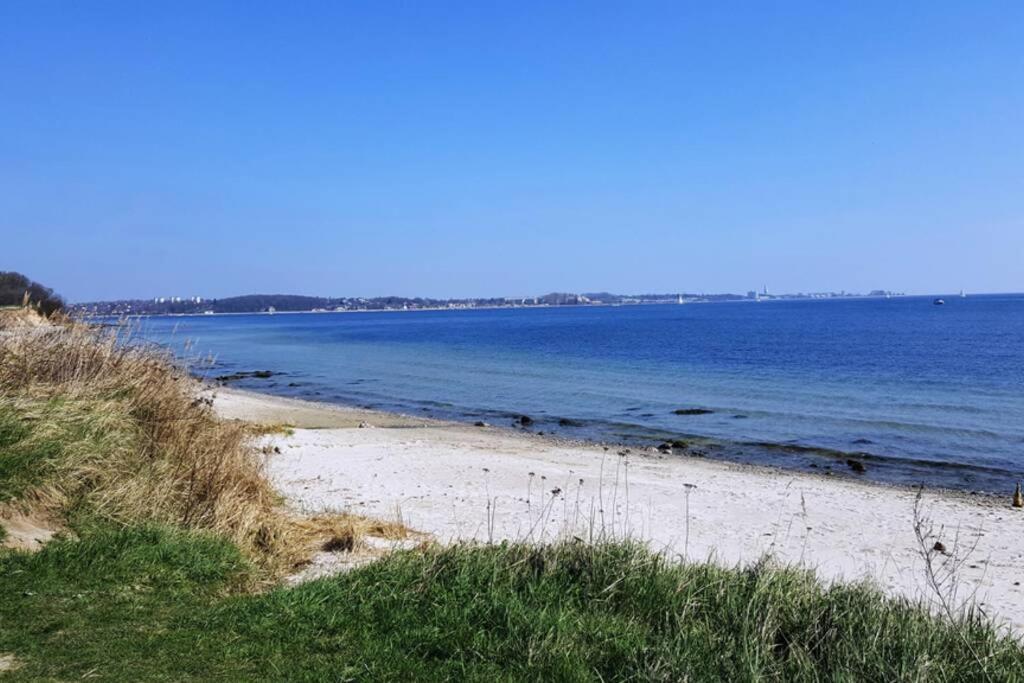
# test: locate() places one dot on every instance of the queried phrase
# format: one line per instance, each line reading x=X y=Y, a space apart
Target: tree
x=16 y=289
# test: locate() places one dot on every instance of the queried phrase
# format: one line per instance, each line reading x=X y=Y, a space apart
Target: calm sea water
x=917 y=392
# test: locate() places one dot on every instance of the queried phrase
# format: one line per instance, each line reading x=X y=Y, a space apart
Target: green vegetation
x=172 y=539
x=148 y=603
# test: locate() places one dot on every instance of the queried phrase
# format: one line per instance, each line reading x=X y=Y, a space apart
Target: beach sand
x=461 y=482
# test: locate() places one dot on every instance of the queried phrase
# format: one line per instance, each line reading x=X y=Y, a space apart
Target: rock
x=692 y=411
x=257 y=374
x=679 y=443
x=665 y=447
x=856 y=465
x=524 y=420
x=480 y=424
x=566 y=422
x=1018 y=498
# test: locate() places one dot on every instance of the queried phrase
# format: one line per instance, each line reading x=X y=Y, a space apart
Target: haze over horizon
x=448 y=150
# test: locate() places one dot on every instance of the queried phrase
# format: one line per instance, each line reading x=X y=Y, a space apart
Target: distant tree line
x=13 y=290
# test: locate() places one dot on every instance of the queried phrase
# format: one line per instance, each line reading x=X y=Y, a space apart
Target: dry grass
x=275 y=429
x=139 y=444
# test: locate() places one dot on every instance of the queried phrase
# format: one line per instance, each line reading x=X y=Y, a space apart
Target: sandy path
x=463 y=482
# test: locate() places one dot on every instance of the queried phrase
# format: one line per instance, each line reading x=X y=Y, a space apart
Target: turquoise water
x=916 y=392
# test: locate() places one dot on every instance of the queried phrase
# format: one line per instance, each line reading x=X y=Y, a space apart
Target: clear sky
x=511 y=148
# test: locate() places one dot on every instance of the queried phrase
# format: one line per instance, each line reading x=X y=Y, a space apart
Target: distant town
x=289 y=303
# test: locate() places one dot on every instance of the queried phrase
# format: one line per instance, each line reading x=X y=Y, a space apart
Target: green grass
x=35 y=434
x=19 y=467
x=152 y=602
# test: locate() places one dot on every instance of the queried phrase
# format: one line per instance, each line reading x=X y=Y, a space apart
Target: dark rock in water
x=294 y=384
x=524 y=420
x=856 y=465
x=480 y=424
x=678 y=443
x=739 y=417
x=255 y=374
x=862 y=442
x=566 y=422
x=692 y=411
x=665 y=447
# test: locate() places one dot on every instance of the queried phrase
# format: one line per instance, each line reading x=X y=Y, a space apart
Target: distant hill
x=262 y=303
x=14 y=287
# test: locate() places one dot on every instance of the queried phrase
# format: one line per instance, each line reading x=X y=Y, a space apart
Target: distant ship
x=680 y=299
x=938 y=302
x=962 y=295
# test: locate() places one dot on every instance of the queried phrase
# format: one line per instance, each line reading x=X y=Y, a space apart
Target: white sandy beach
x=456 y=481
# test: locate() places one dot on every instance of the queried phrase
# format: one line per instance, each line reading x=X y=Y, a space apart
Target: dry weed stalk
x=942 y=568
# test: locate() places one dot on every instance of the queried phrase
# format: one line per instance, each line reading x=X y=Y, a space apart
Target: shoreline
x=343 y=415
x=827 y=461
x=455 y=481
x=770 y=299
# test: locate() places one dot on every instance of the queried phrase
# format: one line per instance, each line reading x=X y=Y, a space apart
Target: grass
x=151 y=603
x=174 y=537
x=99 y=427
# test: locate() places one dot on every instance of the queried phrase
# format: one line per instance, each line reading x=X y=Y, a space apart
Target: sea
x=894 y=390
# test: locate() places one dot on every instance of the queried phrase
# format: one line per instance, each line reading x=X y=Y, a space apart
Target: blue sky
x=478 y=149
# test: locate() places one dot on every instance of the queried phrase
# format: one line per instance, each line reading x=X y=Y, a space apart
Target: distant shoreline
x=768 y=300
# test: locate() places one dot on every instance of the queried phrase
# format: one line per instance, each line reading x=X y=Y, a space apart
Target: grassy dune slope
x=172 y=538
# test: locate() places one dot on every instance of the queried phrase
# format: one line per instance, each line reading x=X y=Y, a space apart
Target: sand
x=461 y=482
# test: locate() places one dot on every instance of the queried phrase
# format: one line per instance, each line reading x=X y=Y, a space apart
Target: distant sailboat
x=680 y=299
x=962 y=295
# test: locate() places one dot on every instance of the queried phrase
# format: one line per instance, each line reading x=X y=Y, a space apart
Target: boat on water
x=962 y=295
x=938 y=302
